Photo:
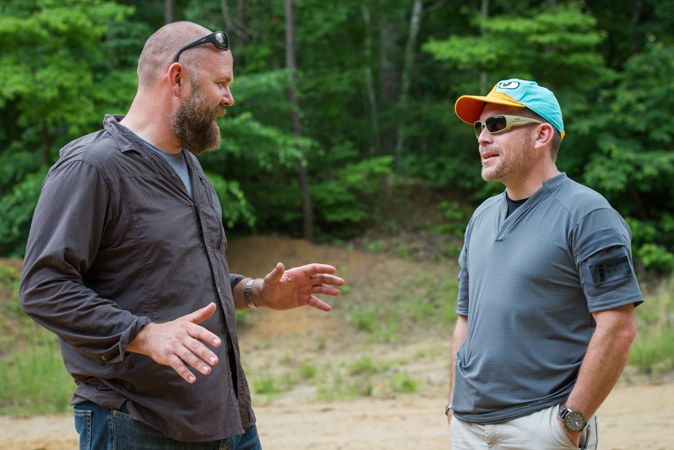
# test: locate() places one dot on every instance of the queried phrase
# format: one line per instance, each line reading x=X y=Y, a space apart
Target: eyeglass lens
x=478 y=128
x=494 y=124
x=220 y=39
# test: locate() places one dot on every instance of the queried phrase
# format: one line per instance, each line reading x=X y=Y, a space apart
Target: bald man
x=126 y=263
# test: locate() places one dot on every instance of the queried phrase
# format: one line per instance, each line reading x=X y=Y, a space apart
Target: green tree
x=51 y=51
x=634 y=131
x=58 y=68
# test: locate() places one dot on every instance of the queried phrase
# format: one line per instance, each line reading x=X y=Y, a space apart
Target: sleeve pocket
x=604 y=261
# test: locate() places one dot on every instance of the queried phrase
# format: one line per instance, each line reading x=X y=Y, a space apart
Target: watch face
x=574 y=421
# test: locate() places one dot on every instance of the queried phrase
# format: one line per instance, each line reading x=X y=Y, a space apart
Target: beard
x=511 y=164
x=194 y=122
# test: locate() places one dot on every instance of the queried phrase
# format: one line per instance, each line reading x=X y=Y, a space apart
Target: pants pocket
x=590 y=435
x=83 y=427
x=558 y=428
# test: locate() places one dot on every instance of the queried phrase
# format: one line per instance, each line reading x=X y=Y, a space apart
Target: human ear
x=543 y=134
x=176 y=78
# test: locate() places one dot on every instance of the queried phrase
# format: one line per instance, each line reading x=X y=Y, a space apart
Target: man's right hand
x=178 y=342
x=450 y=414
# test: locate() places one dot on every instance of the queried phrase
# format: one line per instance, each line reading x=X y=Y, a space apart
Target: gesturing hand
x=287 y=289
x=177 y=342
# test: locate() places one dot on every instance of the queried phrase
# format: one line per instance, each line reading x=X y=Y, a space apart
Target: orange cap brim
x=469 y=107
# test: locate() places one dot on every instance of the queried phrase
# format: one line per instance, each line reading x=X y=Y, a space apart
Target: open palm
x=287 y=289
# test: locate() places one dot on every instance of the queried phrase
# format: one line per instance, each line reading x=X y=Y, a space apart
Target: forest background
x=336 y=99
x=344 y=132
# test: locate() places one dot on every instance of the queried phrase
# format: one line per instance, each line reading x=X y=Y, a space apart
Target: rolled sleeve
x=235 y=279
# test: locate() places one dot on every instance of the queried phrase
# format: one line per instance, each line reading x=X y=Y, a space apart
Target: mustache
x=219 y=111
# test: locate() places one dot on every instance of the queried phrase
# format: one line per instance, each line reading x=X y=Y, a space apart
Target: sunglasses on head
x=501 y=124
x=218 y=38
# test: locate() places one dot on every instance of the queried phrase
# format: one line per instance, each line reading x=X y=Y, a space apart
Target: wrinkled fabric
x=527 y=289
x=116 y=242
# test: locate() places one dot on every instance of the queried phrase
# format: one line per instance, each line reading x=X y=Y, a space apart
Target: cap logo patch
x=509 y=85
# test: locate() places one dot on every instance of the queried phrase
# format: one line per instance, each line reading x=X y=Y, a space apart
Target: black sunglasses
x=218 y=38
x=501 y=124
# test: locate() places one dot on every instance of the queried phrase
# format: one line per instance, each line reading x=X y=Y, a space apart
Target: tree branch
x=434 y=7
x=243 y=32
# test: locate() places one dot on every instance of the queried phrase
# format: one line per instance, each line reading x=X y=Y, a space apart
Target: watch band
x=248 y=295
x=448 y=407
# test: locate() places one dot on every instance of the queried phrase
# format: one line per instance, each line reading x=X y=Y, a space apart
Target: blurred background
x=344 y=135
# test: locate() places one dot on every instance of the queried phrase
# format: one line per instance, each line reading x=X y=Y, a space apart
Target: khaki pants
x=538 y=431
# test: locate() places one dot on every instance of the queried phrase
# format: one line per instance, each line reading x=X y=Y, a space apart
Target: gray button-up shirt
x=116 y=243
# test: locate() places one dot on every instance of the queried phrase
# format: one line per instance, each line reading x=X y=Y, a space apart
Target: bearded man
x=547 y=290
x=126 y=264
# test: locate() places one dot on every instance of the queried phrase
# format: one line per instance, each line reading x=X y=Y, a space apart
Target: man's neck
x=525 y=187
x=145 y=119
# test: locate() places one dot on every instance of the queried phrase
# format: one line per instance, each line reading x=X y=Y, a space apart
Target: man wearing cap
x=547 y=290
x=126 y=263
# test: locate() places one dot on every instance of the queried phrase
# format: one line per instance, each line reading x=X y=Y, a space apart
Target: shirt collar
x=126 y=139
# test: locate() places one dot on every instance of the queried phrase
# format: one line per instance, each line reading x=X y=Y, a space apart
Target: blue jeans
x=108 y=429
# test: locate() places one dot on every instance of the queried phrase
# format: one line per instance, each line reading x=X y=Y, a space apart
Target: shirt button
x=209 y=248
x=219 y=290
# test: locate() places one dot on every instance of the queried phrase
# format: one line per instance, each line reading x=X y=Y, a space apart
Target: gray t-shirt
x=177 y=161
x=529 y=284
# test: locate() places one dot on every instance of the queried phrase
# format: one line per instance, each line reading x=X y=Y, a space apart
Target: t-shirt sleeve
x=602 y=250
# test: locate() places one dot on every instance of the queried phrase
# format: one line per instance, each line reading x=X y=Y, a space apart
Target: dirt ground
x=637 y=414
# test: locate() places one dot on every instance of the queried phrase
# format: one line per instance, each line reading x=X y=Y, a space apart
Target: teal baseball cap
x=513 y=92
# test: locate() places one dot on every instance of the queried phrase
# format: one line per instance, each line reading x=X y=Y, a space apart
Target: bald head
x=161 y=48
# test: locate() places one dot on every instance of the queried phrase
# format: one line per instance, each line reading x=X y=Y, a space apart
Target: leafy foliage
x=635 y=162
x=17 y=212
x=66 y=63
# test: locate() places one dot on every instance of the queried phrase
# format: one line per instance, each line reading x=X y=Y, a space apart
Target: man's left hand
x=287 y=289
x=573 y=435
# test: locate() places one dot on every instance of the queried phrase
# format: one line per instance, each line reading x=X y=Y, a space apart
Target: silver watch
x=572 y=420
x=448 y=407
x=248 y=295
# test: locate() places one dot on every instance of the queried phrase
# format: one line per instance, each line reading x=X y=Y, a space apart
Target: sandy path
x=636 y=416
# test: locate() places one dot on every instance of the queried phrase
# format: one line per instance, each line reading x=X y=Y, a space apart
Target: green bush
x=16 y=210
x=653 y=348
x=655 y=257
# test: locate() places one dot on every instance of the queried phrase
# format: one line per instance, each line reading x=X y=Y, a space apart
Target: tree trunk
x=234 y=26
x=483 y=33
x=415 y=21
x=636 y=15
x=388 y=77
x=241 y=18
x=308 y=229
x=237 y=30
x=168 y=11
x=369 y=85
